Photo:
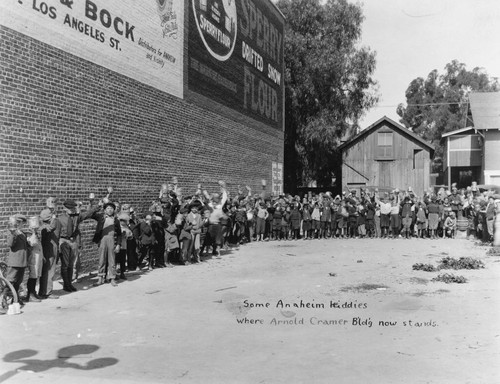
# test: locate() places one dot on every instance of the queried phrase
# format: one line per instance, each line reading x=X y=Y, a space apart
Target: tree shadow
x=24 y=356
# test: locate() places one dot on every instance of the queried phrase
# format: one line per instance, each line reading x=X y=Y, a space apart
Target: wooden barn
x=485 y=112
x=386 y=154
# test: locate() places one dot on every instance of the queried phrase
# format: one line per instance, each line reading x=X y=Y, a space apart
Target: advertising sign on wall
x=277 y=178
x=139 y=39
x=235 y=56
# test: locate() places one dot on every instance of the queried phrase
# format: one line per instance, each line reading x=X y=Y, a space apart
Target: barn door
x=384 y=172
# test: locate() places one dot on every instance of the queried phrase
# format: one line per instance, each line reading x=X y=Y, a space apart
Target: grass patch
x=424 y=267
x=362 y=287
x=418 y=280
x=450 y=278
x=462 y=263
x=450 y=263
x=495 y=251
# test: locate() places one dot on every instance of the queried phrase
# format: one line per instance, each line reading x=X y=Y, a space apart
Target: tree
x=328 y=85
x=439 y=103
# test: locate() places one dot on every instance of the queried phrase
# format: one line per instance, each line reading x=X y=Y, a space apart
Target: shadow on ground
x=25 y=356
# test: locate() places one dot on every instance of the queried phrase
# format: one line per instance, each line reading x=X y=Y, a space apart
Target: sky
x=414 y=37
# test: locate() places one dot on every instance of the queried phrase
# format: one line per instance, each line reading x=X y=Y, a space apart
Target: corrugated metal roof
x=459 y=131
x=485 y=108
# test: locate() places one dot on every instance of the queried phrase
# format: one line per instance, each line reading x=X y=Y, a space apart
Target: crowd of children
x=181 y=229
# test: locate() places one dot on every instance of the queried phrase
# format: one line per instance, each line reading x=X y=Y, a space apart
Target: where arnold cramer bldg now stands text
x=291 y=319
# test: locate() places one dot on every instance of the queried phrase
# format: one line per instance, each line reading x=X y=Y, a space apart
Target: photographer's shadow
x=61 y=361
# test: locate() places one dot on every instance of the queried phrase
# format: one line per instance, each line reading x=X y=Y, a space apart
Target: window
x=385 y=147
x=415 y=158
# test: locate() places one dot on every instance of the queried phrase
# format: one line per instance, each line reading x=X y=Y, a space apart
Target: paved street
x=361 y=315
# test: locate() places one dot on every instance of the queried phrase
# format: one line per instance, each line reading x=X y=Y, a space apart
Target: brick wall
x=70 y=127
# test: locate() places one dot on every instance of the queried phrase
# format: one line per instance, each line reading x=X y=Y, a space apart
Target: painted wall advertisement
x=277 y=178
x=139 y=39
x=235 y=53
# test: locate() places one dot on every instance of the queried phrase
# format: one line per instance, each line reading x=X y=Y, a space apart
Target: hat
x=20 y=218
x=197 y=204
x=51 y=202
x=409 y=189
x=109 y=204
x=131 y=210
x=70 y=204
x=45 y=215
x=183 y=210
x=123 y=217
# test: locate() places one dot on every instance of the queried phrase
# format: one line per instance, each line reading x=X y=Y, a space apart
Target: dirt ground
x=362 y=316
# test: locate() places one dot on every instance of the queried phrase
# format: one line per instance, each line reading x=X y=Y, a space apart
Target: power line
x=420 y=105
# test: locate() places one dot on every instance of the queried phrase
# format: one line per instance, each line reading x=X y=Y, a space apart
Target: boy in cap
x=35 y=259
x=450 y=225
x=214 y=234
x=50 y=245
x=143 y=232
x=68 y=233
x=17 y=260
x=108 y=236
x=196 y=221
x=126 y=234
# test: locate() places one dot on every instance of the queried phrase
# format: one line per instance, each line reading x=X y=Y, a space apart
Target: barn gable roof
x=393 y=125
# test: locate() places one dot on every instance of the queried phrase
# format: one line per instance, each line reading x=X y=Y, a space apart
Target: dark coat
x=18 y=253
x=100 y=218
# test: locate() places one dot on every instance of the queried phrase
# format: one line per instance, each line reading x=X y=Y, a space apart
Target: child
x=277 y=217
x=353 y=220
x=316 y=220
x=450 y=225
x=370 y=219
x=385 y=217
x=306 y=221
x=108 y=236
x=50 y=246
x=172 y=243
x=421 y=220
x=196 y=221
x=17 y=261
x=158 y=250
x=35 y=260
x=185 y=239
x=145 y=238
x=361 y=221
x=262 y=215
x=125 y=238
x=342 y=219
x=395 y=219
x=285 y=223
x=326 y=219
x=407 y=226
